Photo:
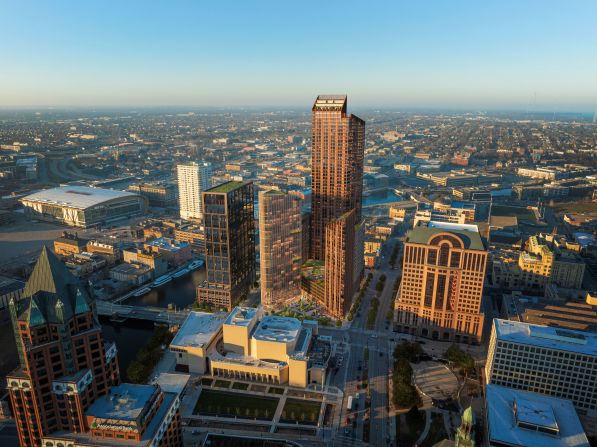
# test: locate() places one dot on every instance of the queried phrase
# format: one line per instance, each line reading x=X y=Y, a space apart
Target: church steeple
x=465 y=434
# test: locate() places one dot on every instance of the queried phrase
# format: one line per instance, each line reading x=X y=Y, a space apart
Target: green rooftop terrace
x=226 y=187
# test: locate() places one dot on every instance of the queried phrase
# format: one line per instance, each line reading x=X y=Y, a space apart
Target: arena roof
x=79 y=197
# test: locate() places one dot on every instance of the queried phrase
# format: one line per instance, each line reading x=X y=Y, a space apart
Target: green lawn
x=240 y=386
x=303 y=411
x=206 y=381
x=222 y=384
x=518 y=211
x=225 y=404
x=275 y=390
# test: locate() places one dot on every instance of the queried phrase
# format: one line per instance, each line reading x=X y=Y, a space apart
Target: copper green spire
x=52 y=293
x=465 y=434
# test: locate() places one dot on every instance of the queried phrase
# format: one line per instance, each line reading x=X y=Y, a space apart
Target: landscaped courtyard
x=227 y=404
x=301 y=411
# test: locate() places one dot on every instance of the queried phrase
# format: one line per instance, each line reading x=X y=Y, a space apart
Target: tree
x=460 y=358
x=408 y=350
x=404 y=395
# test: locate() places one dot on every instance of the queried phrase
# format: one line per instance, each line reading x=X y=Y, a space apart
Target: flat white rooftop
x=525 y=419
x=278 y=329
x=172 y=382
x=79 y=197
x=453 y=226
x=198 y=329
x=241 y=316
x=546 y=336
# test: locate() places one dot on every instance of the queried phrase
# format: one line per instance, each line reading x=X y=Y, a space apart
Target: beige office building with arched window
x=442 y=283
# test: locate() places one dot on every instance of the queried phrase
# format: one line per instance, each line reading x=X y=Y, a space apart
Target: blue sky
x=484 y=54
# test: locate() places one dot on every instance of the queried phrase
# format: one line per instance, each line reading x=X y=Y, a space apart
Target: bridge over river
x=121 y=312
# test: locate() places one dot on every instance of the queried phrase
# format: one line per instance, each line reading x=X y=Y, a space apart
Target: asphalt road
x=376 y=342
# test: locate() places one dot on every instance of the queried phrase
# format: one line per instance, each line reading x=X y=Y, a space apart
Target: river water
x=179 y=292
x=132 y=335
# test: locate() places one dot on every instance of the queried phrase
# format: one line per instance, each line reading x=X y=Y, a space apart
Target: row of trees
x=404 y=393
x=139 y=369
x=394 y=255
x=357 y=303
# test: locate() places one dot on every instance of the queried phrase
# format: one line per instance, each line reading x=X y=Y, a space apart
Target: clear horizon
x=536 y=56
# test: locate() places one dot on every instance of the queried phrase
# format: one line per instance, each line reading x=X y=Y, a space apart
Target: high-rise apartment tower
x=338 y=146
x=193 y=179
x=229 y=244
x=280 y=241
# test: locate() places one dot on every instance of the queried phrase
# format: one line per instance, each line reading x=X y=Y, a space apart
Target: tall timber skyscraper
x=338 y=146
x=280 y=247
x=229 y=244
x=193 y=179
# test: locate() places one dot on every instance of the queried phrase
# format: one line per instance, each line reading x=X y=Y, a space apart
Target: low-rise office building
x=130 y=415
x=540 y=264
x=570 y=313
x=248 y=346
x=523 y=419
x=135 y=274
x=175 y=252
x=160 y=195
x=69 y=244
x=543 y=359
x=153 y=260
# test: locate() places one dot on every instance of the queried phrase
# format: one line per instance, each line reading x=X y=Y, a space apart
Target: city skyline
x=529 y=56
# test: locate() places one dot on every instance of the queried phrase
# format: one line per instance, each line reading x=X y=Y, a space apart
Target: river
x=180 y=292
x=132 y=335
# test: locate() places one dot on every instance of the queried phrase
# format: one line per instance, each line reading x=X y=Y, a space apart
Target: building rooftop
x=167 y=244
x=226 y=187
x=525 y=419
x=146 y=439
x=241 y=316
x=172 y=382
x=330 y=102
x=277 y=329
x=198 y=329
x=469 y=234
x=546 y=336
x=50 y=287
x=8 y=285
x=78 y=197
x=125 y=402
